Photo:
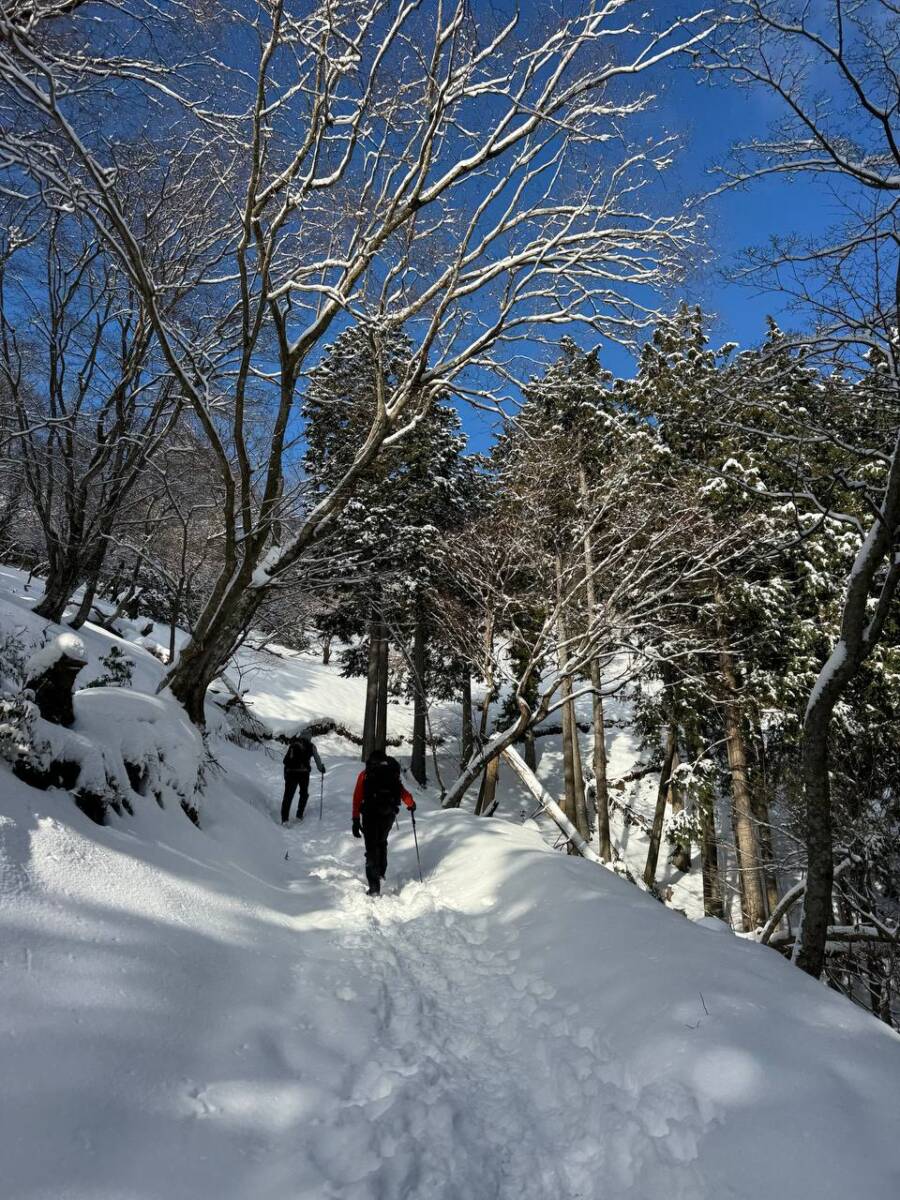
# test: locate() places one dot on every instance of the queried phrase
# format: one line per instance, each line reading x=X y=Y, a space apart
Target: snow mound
x=64 y=645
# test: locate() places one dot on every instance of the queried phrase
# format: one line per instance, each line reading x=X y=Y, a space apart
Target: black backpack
x=381 y=791
x=299 y=755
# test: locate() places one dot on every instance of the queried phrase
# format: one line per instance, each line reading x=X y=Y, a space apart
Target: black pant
x=375 y=828
x=292 y=781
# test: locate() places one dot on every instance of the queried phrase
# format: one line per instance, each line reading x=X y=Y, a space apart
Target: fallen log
x=548 y=804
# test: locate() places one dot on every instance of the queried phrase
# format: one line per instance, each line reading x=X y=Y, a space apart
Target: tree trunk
x=709 y=860
x=709 y=846
x=326 y=651
x=228 y=613
x=530 y=751
x=497 y=744
x=581 y=809
x=575 y=806
x=62 y=581
x=809 y=948
x=764 y=826
x=467 y=736
x=382 y=706
x=549 y=805
x=417 y=765
x=681 y=855
x=860 y=632
x=200 y=662
x=174 y=614
x=368 y=743
x=488 y=787
x=659 y=813
x=87 y=603
x=568 y=805
x=753 y=900
x=601 y=788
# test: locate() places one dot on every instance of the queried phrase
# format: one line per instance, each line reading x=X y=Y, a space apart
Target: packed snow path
x=476 y=1079
x=222 y=1013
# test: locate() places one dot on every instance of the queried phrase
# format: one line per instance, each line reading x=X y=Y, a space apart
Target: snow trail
x=453 y=1100
x=194 y=1015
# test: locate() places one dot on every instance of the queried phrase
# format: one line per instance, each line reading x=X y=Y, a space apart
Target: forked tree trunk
x=62 y=581
x=417 y=764
x=753 y=899
x=90 y=592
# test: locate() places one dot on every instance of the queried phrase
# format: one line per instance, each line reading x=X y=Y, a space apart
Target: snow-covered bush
x=17 y=717
x=18 y=713
x=119 y=670
x=120 y=745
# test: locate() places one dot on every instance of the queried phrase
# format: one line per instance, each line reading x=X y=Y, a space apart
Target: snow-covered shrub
x=18 y=712
x=683 y=828
x=118 y=672
x=17 y=717
x=241 y=726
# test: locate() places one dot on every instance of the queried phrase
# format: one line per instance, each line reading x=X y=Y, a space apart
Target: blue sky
x=708 y=120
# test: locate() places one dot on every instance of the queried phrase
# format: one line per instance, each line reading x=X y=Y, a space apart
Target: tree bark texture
x=753 y=899
x=659 y=813
x=488 y=789
x=467 y=736
x=575 y=807
x=417 y=764
x=382 y=707
x=601 y=787
x=681 y=855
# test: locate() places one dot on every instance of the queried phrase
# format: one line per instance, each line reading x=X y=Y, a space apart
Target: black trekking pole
x=416 y=837
x=321 y=792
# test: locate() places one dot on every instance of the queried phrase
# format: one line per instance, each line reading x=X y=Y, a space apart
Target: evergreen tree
x=389 y=546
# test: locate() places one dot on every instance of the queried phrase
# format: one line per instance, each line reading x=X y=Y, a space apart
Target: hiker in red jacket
x=376 y=802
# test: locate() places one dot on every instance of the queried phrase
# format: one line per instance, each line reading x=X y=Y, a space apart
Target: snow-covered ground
x=222 y=1013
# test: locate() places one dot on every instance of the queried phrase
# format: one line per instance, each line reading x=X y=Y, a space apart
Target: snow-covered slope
x=222 y=1013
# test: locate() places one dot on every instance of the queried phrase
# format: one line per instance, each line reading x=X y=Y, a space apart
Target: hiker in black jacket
x=376 y=802
x=297 y=765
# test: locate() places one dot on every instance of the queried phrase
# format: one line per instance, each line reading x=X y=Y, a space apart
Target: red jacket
x=359 y=793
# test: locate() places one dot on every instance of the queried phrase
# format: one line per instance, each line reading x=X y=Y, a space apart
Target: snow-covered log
x=549 y=805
